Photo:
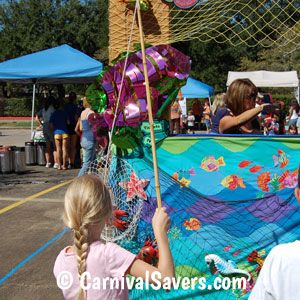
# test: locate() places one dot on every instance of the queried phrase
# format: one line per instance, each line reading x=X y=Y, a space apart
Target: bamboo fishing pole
x=149 y=103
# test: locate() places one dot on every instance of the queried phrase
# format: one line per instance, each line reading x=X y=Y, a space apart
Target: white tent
x=268 y=79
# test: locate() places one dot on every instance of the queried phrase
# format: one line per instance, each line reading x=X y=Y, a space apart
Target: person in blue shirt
x=72 y=111
x=59 y=122
x=218 y=111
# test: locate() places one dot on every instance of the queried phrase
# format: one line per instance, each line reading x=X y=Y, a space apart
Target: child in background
x=293 y=129
x=191 y=122
x=274 y=126
x=271 y=126
x=88 y=208
x=183 y=122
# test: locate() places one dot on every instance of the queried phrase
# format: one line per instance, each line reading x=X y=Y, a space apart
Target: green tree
x=283 y=56
x=27 y=26
x=250 y=29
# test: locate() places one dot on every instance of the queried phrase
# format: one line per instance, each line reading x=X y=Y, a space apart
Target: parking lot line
x=28 y=258
x=34 y=196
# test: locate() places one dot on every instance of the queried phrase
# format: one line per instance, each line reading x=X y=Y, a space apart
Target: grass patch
x=18 y=124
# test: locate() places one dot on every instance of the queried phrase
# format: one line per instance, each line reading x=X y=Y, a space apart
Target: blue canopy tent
x=62 y=64
x=196 y=89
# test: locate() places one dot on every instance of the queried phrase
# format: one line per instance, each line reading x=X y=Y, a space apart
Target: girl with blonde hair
x=87 y=209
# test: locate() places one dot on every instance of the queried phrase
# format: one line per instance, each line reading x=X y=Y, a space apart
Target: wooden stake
x=150 y=116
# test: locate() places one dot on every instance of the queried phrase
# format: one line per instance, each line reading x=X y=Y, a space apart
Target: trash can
x=30 y=153
x=0 y=158
x=6 y=160
x=19 y=160
x=41 y=147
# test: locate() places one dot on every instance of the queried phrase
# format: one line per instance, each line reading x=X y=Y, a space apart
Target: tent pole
x=149 y=102
x=32 y=112
x=209 y=101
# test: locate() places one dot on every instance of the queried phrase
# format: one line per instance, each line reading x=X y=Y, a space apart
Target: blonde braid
x=81 y=245
x=87 y=206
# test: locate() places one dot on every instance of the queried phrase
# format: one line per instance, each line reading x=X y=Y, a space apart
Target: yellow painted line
x=34 y=196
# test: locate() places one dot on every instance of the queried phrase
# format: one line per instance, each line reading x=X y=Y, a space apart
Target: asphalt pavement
x=32 y=231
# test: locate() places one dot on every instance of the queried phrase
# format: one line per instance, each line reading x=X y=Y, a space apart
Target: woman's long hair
x=219 y=102
x=241 y=96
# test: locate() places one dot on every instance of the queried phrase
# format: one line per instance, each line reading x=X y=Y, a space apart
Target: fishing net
x=230 y=200
x=252 y=23
x=115 y=171
x=235 y=222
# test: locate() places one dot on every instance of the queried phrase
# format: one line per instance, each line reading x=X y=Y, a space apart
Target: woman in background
x=88 y=142
x=72 y=110
x=43 y=118
x=59 y=122
x=175 y=117
x=240 y=100
x=293 y=113
x=218 y=111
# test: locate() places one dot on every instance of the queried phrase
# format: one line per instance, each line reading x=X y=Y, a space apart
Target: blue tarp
x=196 y=89
x=60 y=64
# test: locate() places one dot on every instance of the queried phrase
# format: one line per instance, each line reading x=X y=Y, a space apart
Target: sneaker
x=55 y=166
x=48 y=165
x=70 y=166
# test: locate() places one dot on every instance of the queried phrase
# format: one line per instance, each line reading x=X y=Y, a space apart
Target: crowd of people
x=241 y=110
x=64 y=124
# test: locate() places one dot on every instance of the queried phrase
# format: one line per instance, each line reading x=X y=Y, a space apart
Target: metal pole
x=209 y=101
x=155 y=166
x=32 y=112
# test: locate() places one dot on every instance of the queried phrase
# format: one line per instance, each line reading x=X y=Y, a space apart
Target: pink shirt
x=103 y=260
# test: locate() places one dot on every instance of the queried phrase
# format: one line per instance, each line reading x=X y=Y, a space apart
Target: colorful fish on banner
x=281 y=159
x=238 y=205
x=210 y=164
x=192 y=224
x=232 y=182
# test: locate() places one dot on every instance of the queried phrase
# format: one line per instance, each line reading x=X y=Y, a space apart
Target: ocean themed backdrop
x=230 y=200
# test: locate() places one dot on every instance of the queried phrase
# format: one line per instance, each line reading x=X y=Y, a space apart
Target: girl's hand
x=160 y=222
